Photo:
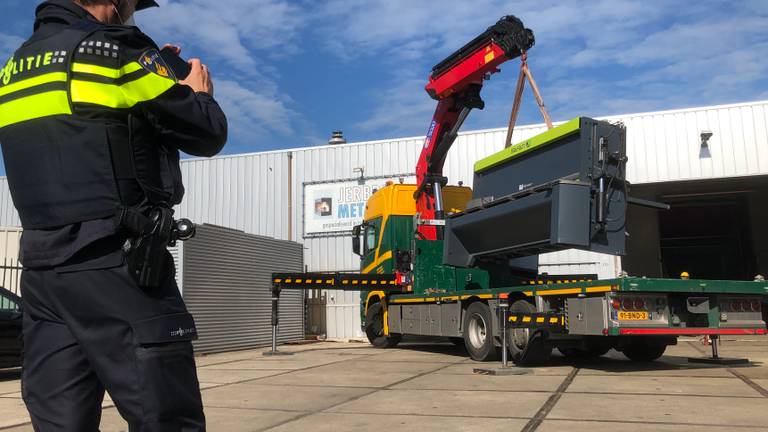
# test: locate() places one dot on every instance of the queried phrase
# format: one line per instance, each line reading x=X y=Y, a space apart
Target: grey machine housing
x=570 y=192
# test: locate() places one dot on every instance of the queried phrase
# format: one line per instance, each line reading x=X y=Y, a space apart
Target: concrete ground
x=338 y=387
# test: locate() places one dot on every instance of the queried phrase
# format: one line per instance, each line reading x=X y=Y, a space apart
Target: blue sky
x=289 y=72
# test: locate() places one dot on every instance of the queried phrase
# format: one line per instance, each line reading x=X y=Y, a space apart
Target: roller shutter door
x=226 y=280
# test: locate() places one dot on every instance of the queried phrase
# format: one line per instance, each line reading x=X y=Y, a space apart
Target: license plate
x=633 y=316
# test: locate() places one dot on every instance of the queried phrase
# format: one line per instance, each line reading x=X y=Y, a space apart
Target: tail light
x=639 y=304
x=740 y=305
x=735 y=306
x=630 y=304
x=746 y=306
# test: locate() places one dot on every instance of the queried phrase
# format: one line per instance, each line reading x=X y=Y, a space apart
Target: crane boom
x=456 y=83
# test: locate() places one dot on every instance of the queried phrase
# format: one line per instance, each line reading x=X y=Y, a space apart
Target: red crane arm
x=456 y=83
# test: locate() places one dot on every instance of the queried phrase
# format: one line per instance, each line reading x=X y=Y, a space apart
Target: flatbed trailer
x=581 y=318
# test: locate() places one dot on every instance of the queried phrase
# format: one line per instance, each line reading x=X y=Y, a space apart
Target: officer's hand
x=199 y=78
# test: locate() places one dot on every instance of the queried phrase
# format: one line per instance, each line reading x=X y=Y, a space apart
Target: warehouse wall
x=247 y=192
x=666 y=146
x=8 y=215
x=10 y=269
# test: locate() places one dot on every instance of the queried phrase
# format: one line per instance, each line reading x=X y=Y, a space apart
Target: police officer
x=92 y=119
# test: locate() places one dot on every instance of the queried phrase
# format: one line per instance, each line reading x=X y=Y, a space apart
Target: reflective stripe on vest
x=45 y=95
x=41 y=96
x=126 y=86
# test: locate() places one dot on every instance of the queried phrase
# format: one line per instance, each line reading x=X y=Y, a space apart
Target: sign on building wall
x=336 y=207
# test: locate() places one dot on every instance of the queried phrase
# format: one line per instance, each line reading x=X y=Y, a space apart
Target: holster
x=146 y=248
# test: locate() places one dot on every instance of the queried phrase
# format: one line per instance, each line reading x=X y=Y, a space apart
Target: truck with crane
x=441 y=260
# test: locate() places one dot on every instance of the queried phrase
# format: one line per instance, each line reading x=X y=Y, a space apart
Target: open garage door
x=708 y=237
x=716 y=229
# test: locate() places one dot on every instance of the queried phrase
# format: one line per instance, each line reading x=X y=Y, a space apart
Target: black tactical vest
x=73 y=149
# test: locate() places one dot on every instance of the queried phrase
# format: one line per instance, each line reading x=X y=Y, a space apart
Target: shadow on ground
x=613 y=362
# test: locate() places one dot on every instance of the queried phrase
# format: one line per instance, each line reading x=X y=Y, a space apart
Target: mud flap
x=538 y=349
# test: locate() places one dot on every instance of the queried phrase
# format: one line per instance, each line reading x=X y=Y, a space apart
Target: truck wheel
x=478 y=332
x=374 y=328
x=519 y=339
x=641 y=350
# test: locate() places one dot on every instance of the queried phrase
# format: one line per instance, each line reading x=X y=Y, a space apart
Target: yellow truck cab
x=388 y=230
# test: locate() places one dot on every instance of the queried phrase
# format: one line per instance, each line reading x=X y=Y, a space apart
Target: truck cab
x=389 y=224
x=384 y=242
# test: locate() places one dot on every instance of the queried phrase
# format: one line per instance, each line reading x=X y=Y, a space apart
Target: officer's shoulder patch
x=152 y=61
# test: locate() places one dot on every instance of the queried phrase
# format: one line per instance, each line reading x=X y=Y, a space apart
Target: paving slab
x=339 y=378
x=442 y=393
x=762 y=383
x=207 y=385
x=668 y=366
x=338 y=422
x=690 y=410
x=593 y=426
x=441 y=354
x=689 y=348
x=662 y=385
x=369 y=365
x=512 y=383
x=338 y=348
x=468 y=368
x=14 y=412
x=279 y=397
x=11 y=386
x=739 y=346
x=457 y=403
x=755 y=371
x=203 y=360
x=272 y=364
x=217 y=419
x=228 y=376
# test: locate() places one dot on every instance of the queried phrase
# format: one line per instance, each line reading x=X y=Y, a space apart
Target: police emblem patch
x=153 y=62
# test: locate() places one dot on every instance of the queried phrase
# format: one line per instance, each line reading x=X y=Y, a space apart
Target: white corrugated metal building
x=264 y=193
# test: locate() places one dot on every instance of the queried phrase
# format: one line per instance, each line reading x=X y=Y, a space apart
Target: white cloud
x=240 y=39
x=401 y=109
x=227 y=30
x=607 y=57
x=255 y=117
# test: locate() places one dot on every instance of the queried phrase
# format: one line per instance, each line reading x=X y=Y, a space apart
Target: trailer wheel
x=374 y=328
x=478 y=332
x=642 y=350
x=518 y=340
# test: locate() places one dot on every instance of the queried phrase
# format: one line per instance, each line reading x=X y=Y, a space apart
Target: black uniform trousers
x=87 y=331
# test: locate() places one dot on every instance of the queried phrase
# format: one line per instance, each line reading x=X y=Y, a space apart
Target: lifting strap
x=525 y=73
